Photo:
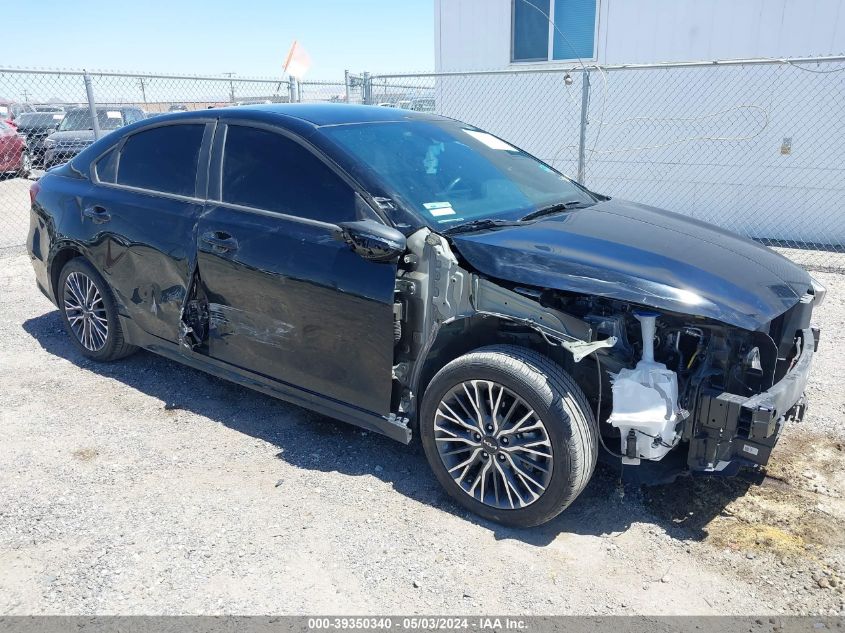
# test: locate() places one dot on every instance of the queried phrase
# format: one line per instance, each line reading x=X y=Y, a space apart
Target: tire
x=25 y=169
x=565 y=443
x=103 y=339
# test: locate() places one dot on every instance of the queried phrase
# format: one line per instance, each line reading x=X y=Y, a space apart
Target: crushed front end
x=747 y=390
x=736 y=389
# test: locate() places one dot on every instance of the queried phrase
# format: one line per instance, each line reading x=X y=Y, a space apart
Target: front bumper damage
x=729 y=432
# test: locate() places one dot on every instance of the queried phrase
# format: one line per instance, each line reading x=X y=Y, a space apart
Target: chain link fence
x=757 y=147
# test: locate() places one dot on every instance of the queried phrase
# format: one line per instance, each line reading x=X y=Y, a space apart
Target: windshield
x=449 y=173
x=39 y=119
x=81 y=120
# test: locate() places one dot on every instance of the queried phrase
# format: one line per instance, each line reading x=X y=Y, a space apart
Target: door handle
x=96 y=213
x=220 y=241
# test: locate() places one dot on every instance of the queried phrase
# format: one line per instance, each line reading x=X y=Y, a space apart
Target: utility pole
x=143 y=89
x=25 y=95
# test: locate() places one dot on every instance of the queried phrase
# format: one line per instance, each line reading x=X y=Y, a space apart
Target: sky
x=246 y=37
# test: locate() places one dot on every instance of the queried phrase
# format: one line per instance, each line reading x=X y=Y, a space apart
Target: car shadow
x=311 y=441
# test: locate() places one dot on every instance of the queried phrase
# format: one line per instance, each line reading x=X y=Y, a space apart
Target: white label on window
x=438 y=209
x=113 y=114
x=750 y=449
x=490 y=141
x=58 y=117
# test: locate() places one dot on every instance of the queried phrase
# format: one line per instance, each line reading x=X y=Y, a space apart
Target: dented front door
x=288 y=300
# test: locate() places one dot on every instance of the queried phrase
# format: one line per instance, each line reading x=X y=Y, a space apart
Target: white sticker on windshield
x=439 y=209
x=490 y=141
x=113 y=114
x=58 y=117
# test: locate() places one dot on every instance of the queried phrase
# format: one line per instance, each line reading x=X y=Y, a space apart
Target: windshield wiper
x=557 y=207
x=479 y=225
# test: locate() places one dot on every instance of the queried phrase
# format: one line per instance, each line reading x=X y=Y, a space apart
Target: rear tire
x=25 y=169
x=539 y=467
x=89 y=312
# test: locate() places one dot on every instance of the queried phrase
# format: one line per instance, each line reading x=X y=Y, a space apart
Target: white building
x=759 y=149
x=494 y=34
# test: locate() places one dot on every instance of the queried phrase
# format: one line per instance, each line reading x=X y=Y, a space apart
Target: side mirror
x=373 y=240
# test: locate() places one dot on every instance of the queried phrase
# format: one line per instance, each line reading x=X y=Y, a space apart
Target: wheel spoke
x=474 y=403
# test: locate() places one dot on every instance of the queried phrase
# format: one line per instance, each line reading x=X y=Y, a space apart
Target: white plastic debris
x=645 y=400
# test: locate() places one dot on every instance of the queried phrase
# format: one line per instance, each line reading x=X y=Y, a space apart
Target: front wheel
x=509 y=434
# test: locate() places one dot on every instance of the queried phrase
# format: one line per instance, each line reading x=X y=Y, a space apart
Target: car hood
x=73 y=135
x=645 y=256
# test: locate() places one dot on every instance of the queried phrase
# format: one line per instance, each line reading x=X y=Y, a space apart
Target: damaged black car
x=417 y=276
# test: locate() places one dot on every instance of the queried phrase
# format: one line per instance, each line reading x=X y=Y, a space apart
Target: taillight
x=34 y=188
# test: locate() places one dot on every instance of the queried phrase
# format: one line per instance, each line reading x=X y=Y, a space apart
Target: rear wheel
x=509 y=434
x=25 y=168
x=89 y=312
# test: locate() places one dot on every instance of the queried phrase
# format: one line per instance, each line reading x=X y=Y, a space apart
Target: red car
x=14 y=157
x=10 y=110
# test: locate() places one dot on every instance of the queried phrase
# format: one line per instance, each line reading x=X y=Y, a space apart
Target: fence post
x=367 y=89
x=346 y=83
x=582 y=139
x=89 y=91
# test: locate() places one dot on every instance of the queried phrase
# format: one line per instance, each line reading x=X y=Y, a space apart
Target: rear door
x=287 y=298
x=140 y=216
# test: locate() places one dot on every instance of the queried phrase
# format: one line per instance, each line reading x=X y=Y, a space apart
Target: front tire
x=509 y=435
x=89 y=312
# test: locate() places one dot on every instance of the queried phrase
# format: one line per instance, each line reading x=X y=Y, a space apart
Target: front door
x=287 y=299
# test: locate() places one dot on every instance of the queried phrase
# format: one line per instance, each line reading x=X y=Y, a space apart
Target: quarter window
x=162 y=159
x=107 y=167
x=545 y=30
x=266 y=170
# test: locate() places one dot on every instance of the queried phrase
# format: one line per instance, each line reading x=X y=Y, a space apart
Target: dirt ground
x=144 y=487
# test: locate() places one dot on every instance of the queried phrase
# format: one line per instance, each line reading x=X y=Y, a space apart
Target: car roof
x=102 y=108
x=314 y=114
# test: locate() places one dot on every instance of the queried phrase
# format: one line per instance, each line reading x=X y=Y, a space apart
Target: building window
x=535 y=38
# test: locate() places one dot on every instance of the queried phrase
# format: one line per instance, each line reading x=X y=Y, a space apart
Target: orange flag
x=298 y=61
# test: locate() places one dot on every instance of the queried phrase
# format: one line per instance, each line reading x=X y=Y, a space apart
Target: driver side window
x=266 y=170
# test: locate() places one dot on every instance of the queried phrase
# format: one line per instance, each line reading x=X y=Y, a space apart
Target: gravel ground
x=144 y=487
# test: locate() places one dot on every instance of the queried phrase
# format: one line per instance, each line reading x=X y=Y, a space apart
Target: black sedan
x=76 y=130
x=36 y=127
x=415 y=275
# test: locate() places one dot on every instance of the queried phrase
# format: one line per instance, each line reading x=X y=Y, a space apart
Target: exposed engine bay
x=660 y=382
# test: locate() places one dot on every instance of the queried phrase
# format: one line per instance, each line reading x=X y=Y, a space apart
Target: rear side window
x=107 y=167
x=162 y=159
x=269 y=171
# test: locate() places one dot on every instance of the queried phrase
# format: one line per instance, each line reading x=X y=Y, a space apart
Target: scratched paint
x=226 y=320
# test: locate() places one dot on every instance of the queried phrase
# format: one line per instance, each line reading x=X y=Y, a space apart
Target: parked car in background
x=76 y=130
x=423 y=105
x=49 y=107
x=14 y=157
x=11 y=110
x=415 y=275
x=36 y=127
x=178 y=107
